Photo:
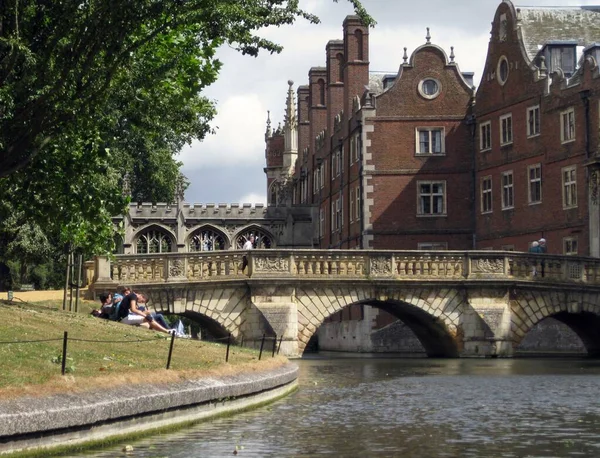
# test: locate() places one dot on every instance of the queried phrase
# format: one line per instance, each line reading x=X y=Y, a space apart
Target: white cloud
x=253 y=198
x=239 y=135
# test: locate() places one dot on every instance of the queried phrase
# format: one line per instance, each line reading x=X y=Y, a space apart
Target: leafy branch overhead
x=92 y=91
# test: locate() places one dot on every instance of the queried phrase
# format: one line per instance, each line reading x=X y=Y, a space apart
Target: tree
x=93 y=91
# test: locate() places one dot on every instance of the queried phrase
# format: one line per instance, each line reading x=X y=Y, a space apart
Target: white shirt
x=248 y=245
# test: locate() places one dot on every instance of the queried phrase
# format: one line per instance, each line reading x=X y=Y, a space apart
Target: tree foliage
x=93 y=91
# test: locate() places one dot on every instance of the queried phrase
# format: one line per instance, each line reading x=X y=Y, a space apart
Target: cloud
x=253 y=198
x=239 y=135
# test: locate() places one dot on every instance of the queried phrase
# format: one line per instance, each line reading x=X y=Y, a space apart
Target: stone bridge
x=458 y=303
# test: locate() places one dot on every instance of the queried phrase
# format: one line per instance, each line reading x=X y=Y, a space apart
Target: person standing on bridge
x=535 y=249
x=248 y=245
x=543 y=250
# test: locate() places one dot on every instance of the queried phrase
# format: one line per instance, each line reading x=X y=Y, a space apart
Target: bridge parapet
x=344 y=264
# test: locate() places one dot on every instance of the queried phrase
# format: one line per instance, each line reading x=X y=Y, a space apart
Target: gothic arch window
x=273 y=194
x=359 y=44
x=207 y=239
x=340 y=64
x=154 y=241
x=261 y=238
x=321 y=85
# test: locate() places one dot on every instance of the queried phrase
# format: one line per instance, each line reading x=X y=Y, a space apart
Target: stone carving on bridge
x=381 y=266
x=487 y=266
x=176 y=267
x=275 y=265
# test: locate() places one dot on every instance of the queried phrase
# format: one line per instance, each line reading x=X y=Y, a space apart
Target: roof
x=376 y=81
x=539 y=26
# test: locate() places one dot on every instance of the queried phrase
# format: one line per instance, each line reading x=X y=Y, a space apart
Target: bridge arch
x=579 y=311
x=432 y=314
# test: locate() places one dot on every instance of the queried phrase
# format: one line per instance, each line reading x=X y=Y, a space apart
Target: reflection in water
x=411 y=408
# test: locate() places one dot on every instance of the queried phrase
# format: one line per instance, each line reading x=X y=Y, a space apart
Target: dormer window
x=561 y=55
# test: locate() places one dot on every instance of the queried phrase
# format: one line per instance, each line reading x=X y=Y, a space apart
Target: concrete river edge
x=70 y=420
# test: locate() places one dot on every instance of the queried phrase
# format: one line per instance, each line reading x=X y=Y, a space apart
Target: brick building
x=388 y=166
x=537 y=116
x=418 y=160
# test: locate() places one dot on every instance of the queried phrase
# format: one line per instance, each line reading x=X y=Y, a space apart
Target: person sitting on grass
x=107 y=306
x=129 y=313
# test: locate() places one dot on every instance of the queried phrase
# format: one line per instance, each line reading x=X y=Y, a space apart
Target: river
x=386 y=407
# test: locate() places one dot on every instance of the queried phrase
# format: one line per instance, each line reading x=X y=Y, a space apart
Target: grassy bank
x=101 y=353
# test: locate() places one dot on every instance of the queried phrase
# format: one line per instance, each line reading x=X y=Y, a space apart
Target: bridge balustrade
x=345 y=264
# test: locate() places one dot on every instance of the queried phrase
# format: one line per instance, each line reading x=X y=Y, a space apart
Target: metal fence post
x=262 y=344
x=280 y=339
x=64 y=355
x=228 y=344
x=170 y=350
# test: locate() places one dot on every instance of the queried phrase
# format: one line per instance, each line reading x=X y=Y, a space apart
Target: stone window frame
x=533 y=128
x=485 y=136
x=502 y=60
x=486 y=194
x=508 y=190
x=432 y=246
x=420 y=202
x=567 y=125
x=430 y=129
x=423 y=94
x=534 y=181
x=570 y=245
x=506 y=129
x=321 y=223
x=569 y=186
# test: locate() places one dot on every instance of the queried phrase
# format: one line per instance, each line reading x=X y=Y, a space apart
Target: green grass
x=101 y=352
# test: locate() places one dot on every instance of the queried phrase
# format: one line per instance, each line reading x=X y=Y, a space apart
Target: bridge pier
x=278 y=307
x=486 y=322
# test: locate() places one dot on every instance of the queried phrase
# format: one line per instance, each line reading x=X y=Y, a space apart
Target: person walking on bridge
x=248 y=245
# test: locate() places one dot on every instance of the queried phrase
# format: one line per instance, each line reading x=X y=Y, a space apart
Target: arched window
x=359 y=44
x=273 y=194
x=207 y=240
x=153 y=241
x=321 y=85
x=261 y=239
x=340 y=64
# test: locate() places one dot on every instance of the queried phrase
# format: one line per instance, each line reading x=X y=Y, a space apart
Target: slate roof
x=539 y=26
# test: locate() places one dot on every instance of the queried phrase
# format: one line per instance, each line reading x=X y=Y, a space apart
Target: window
x=486 y=194
x=153 y=241
x=506 y=136
x=321 y=223
x=569 y=183
x=432 y=198
x=535 y=183
x=323 y=172
x=567 y=126
x=570 y=246
x=206 y=240
x=485 y=136
x=351 y=211
x=354 y=149
x=333 y=211
x=430 y=140
x=533 y=121
x=429 y=88
x=433 y=246
x=502 y=70
x=340 y=212
x=357 y=206
x=315 y=181
x=508 y=191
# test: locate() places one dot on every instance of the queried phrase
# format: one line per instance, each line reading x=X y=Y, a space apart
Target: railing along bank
x=344 y=264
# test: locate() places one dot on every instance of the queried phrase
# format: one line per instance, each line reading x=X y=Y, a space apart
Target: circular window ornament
x=429 y=88
x=502 y=70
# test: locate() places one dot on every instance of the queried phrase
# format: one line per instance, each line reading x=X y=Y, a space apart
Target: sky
x=227 y=167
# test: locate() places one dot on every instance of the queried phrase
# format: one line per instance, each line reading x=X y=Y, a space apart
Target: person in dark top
x=129 y=313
